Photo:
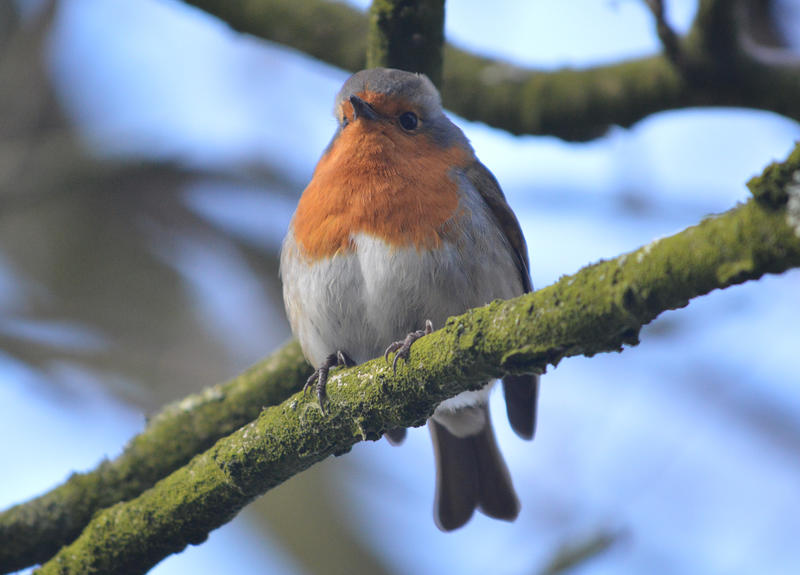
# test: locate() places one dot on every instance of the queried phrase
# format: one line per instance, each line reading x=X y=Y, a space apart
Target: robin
x=400 y=227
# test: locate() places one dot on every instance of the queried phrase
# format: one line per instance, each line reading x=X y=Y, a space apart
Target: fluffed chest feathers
x=372 y=292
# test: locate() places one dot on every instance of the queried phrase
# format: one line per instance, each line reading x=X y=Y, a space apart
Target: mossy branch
x=598 y=309
x=581 y=104
x=32 y=532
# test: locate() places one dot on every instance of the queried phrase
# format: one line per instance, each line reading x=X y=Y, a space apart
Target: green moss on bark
x=32 y=532
x=599 y=309
x=771 y=188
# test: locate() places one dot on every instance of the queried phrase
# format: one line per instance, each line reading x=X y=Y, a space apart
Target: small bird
x=402 y=227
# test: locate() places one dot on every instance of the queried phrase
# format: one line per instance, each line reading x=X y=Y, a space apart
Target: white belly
x=360 y=302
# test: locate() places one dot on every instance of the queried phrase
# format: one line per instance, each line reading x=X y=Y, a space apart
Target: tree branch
x=329 y=31
x=570 y=104
x=576 y=552
x=407 y=34
x=32 y=532
x=598 y=309
x=669 y=38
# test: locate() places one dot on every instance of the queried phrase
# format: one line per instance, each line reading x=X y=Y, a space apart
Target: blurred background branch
x=714 y=70
x=408 y=35
x=581 y=549
x=60 y=200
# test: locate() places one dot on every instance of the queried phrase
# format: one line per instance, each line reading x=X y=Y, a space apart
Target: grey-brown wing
x=490 y=191
x=521 y=391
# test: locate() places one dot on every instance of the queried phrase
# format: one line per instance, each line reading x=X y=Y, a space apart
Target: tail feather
x=496 y=496
x=521 y=394
x=456 y=478
x=470 y=474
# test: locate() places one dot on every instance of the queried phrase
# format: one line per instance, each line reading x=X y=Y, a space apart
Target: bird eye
x=345 y=121
x=408 y=120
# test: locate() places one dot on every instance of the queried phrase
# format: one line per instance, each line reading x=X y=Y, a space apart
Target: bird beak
x=362 y=109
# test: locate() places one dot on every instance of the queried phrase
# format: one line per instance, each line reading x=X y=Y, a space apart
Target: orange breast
x=378 y=180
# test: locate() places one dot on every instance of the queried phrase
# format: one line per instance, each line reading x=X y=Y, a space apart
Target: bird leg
x=402 y=348
x=320 y=375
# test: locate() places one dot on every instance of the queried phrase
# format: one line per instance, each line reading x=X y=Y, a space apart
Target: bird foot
x=402 y=348
x=320 y=375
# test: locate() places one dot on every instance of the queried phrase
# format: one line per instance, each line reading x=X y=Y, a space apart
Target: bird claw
x=394 y=346
x=402 y=348
x=320 y=376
